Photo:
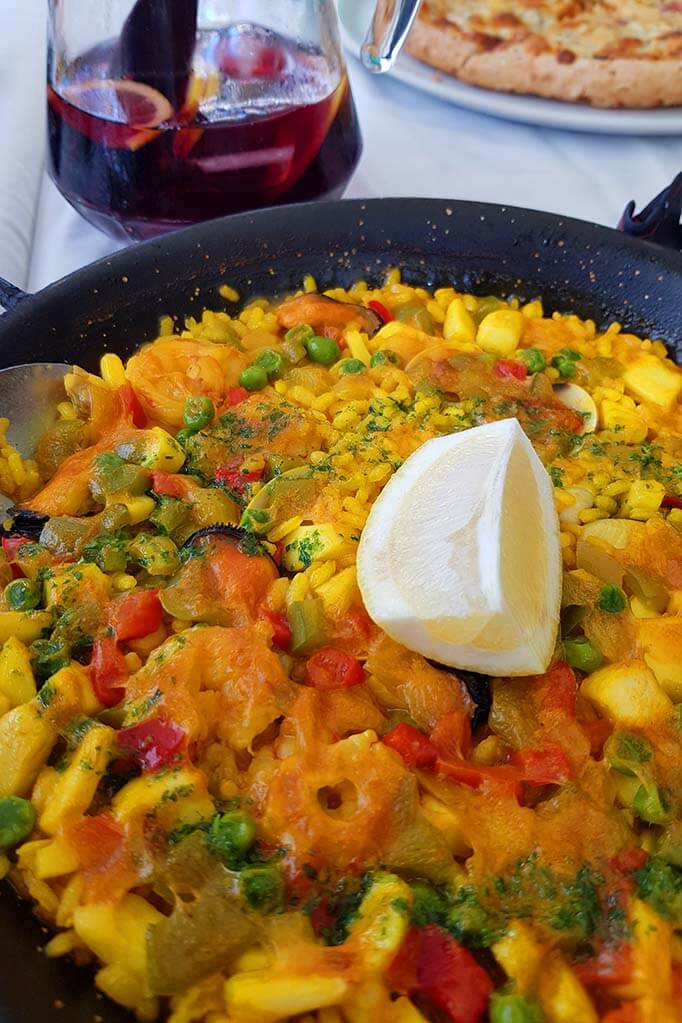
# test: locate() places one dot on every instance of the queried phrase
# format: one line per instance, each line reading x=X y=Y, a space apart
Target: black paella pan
x=116 y=303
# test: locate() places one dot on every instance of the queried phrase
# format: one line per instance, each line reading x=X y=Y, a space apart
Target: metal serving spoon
x=29 y=395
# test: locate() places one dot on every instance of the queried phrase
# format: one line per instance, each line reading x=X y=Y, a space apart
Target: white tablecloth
x=414 y=145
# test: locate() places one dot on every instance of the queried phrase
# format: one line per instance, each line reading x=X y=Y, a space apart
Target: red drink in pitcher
x=259 y=120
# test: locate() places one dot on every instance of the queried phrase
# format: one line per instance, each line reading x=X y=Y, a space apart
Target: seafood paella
x=238 y=798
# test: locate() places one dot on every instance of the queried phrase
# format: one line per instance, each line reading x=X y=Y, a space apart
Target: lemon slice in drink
x=460 y=558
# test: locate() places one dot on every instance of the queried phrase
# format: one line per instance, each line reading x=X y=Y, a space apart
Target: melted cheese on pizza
x=648 y=29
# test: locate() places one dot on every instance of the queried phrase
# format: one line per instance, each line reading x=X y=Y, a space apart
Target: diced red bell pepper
x=380 y=309
x=281 y=630
x=507 y=369
x=108 y=670
x=597 y=732
x=505 y=779
x=321 y=918
x=152 y=744
x=96 y=840
x=169 y=484
x=329 y=669
x=130 y=406
x=556 y=691
x=236 y=395
x=628 y=860
x=234 y=479
x=135 y=615
x=11 y=545
x=547 y=766
x=677 y=989
x=628 y=1012
x=671 y=501
x=414 y=747
x=612 y=965
x=434 y=965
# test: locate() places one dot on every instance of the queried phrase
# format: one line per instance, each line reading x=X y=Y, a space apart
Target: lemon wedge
x=460 y=558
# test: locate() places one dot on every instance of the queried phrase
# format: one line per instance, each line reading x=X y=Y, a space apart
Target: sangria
x=143 y=142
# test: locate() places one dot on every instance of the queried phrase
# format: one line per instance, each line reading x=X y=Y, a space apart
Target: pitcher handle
x=661 y=220
x=391 y=23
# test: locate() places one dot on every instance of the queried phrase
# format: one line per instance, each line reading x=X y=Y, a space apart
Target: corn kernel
x=489 y=751
x=133 y=662
x=675 y=518
x=67 y=411
x=606 y=503
x=592 y=515
x=122 y=582
x=112 y=370
x=617 y=488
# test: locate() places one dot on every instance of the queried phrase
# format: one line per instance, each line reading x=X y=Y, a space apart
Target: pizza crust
x=516 y=66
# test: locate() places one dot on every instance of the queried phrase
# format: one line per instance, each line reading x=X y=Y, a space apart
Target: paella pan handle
x=659 y=221
x=10 y=295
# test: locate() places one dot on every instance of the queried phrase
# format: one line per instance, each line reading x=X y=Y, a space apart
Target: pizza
x=608 y=53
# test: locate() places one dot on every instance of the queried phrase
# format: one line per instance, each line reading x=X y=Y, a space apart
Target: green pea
x=49 y=656
x=261 y=887
x=652 y=804
x=510 y=1008
x=23 y=594
x=253 y=378
x=429 y=905
x=416 y=314
x=269 y=360
x=381 y=358
x=623 y=749
x=611 y=599
x=231 y=836
x=17 y=818
x=299 y=334
x=565 y=361
x=582 y=654
x=322 y=349
x=533 y=359
x=198 y=413
x=182 y=436
x=351 y=366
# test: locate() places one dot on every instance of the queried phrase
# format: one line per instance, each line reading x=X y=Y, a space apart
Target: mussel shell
x=478 y=688
x=24 y=522
x=239 y=537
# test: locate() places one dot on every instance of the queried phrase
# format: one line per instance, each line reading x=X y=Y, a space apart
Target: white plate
x=356 y=16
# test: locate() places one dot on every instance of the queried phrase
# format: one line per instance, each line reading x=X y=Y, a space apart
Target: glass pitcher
x=163 y=113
